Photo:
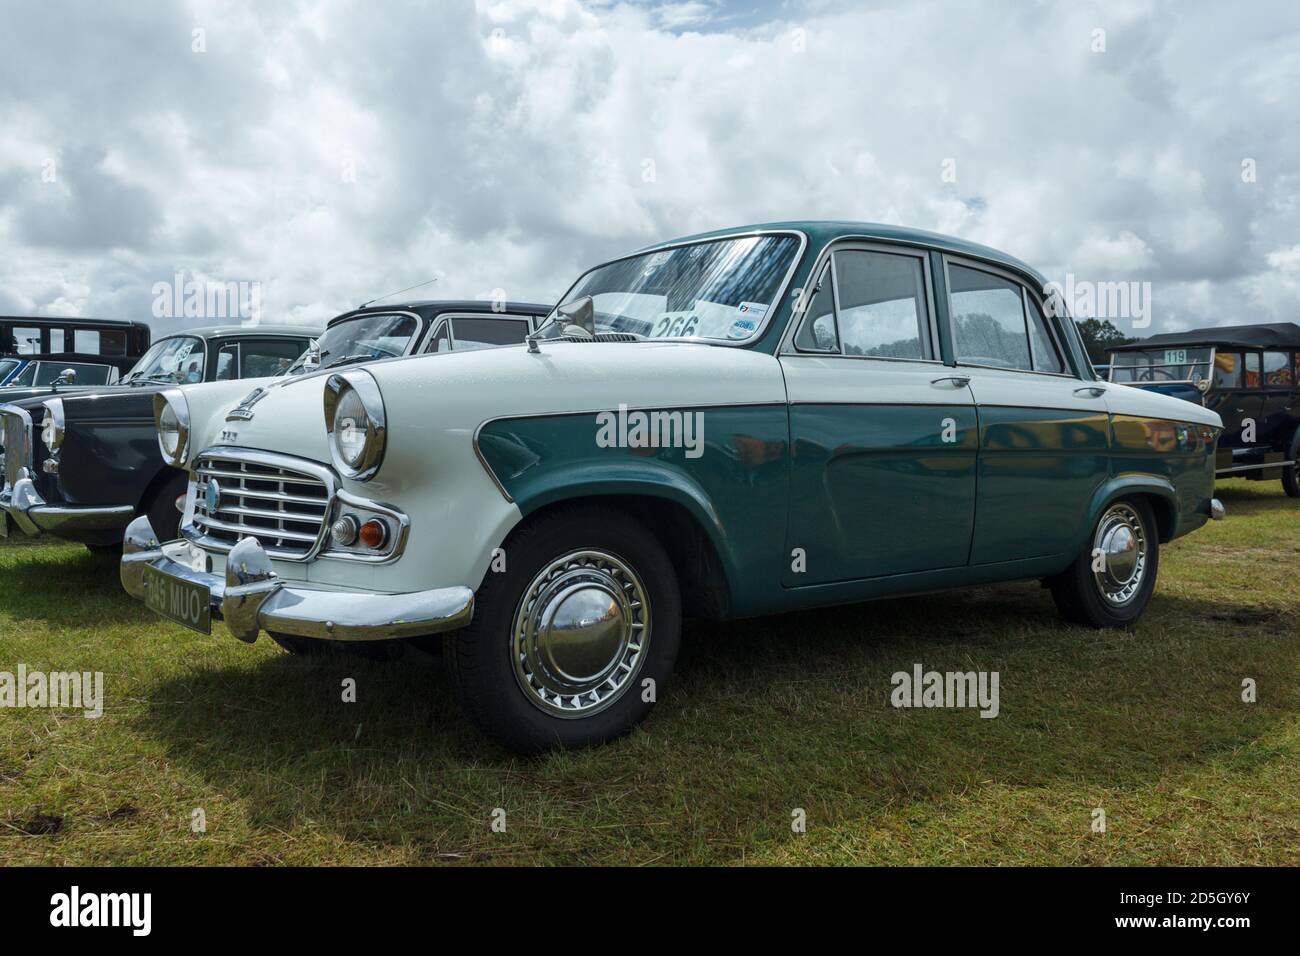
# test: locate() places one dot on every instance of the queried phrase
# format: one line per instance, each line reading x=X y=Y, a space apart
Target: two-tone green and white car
x=749 y=421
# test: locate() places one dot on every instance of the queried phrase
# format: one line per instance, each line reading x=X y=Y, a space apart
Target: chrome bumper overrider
x=250 y=597
x=32 y=515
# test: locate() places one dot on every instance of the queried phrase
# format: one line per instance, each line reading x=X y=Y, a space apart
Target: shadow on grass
x=760 y=712
x=65 y=586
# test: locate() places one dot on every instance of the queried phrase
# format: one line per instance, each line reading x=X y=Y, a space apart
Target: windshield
x=364 y=337
x=1161 y=365
x=718 y=289
x=178 y=360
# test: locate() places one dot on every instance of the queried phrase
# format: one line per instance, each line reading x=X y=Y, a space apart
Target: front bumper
x=251 y=598
x=32 y=515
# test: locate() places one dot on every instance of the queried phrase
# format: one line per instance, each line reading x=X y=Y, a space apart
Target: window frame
x=825 y=264
x=977 y=265
x=445 y=319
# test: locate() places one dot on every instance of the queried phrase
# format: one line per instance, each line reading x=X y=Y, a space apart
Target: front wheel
x=1112 y=580
x=1291 y=473
x=572 y=643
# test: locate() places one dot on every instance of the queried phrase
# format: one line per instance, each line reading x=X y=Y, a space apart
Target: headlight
x=354 y=418
x=52 y=426
x=171 y=413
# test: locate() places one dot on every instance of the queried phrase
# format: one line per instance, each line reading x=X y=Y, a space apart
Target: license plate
x=178 y=600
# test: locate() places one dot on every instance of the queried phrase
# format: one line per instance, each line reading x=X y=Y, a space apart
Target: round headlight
x=355 y=420
x=351 y=425
x=52 y=425
x=172 y=418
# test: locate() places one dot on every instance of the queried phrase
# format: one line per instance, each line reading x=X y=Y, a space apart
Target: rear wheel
x=1111 y=582
x=570 y=645
x=1291 y=473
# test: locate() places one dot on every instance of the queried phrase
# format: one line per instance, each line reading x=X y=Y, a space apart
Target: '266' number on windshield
x=671 y=326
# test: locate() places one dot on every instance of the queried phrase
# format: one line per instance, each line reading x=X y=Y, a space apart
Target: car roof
x=1282 y=335
x=222 y=331
x=428 y=308
x=71 y=322
x=821 y=231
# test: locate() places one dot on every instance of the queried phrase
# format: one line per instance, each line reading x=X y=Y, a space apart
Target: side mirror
x=580 y=317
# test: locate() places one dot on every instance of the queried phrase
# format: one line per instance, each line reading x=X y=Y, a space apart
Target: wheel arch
x=1158 y=492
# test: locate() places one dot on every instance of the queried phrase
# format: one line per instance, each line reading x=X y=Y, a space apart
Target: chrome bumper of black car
x=32 y=515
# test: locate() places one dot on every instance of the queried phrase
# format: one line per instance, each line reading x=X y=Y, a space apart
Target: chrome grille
x=282 y=502
x=17 y=450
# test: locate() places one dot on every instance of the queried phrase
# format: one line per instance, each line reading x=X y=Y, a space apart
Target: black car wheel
x=1111 y=581
x=572 y=643
x=1291 y=473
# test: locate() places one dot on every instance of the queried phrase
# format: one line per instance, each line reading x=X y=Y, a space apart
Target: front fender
x=1161 y=490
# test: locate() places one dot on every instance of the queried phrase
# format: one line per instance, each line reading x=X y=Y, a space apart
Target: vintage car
x=104 y=467
x=80 y=463
x=738 y=423
x=23 y=375
x=1249 y=374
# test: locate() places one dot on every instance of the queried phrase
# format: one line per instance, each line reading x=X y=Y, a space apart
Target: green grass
x=763 y=717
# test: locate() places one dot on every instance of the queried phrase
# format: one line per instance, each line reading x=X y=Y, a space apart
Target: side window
x=485 y=333
x=85 y=341
x=817 y=331
x=1046 y=358
x=1227 y=370
x=1252 y=370
x=27 y=341
x=57 y=341
x=48 y=372
x=988 y=319
x=265 y=358
x=882 y=307
x=26 y=376
x=227 y=363
x=1277 y=370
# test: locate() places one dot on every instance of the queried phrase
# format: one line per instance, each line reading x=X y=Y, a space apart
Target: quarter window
x=988 y=319
x=817 y=333
x=485 y=333
x=1277 y=370
x=1045 y=355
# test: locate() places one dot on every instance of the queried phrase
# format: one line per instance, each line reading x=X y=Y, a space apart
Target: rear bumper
x=32 y=515
x=251 y=598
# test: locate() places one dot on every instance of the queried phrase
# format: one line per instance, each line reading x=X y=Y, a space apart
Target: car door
x=1044 y=433
x=883 y=435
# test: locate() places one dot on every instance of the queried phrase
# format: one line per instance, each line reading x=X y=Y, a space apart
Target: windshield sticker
x=752 y=310
x=742 y=329
x=672 y=324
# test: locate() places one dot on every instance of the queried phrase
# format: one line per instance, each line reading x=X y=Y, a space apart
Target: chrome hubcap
x=1122 y=542
x=580 y=634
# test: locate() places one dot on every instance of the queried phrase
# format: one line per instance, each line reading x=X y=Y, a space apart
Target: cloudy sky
x=334 y=151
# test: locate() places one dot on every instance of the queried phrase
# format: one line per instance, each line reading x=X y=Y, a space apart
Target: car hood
x=459 y=391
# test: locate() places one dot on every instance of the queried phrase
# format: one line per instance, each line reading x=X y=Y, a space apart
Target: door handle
x=1093 y=391
x=958 y=381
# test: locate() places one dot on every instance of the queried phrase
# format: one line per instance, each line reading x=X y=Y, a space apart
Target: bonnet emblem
x=243 y=412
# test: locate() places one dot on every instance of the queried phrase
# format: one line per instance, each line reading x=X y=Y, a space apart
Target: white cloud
x=513 y=142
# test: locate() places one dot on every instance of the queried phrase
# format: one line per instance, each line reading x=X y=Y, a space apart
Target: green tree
x=1099 y=337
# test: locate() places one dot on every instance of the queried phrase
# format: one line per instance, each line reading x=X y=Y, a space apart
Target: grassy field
x=763 y=718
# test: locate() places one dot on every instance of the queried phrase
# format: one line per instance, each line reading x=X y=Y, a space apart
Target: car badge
x=213 y=496
x=243 y=412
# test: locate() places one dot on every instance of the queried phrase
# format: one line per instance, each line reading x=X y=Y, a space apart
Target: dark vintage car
x=24 y=374
x=80 y=463
x=28 y=336
x=1249 y=374
x=82 y=466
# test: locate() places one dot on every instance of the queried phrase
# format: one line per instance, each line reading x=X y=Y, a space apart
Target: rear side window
x=265 y=358
x=27 y=341
x=988 y=319
x=1252 y=370
x=485 y=333
x=1277 y=370
x=48 y=372
x=1045 y=357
